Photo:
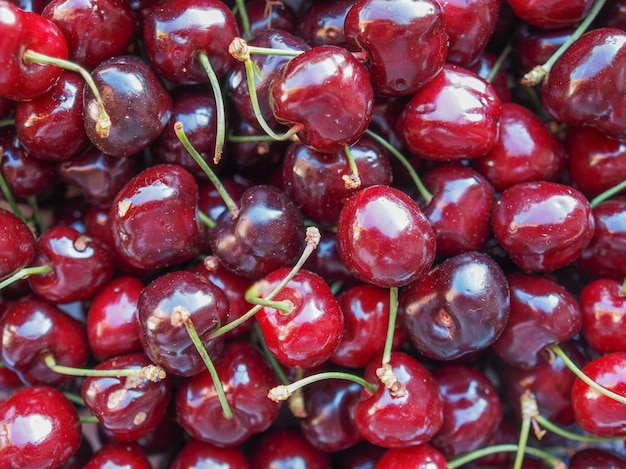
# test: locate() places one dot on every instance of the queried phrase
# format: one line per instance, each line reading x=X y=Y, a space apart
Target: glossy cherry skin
x=460 y=209
x=50 y=126
x=551 y=14
x=128 y=407
x=582 y=87
x=594 y=412
x=596 y=458
x=174 y=33
x=41 y=429
x=323 y=78
x=596 y=162
x=112 y=326
x=533 y=46
x=406 y=42
x=169 y=345
x=423 y=456
x=472 y=410
x=394 y=421
x=267 y=234
x=154 y=218
x=459 y=307
x=603 y=255
x=322 y=22
x=17 y=243
x=543 y=225
x=33 y=328
x=309 y=334
x=137 y=103
x=199 y=454
x=314 y=180
x=542 y=313
x=384 y=238
x=246 y=378
x=603 y=306
x=118 y=455
x=263 y=17
x=325 y=261
x=95 y=30
x=525 y=151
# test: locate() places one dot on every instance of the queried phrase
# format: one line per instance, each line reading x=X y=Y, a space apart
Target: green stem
x=352 y=181
x=499 y=62
x=425 y=193
x=282 y=392
x=391 y=324
x=249 y=138
x=557 y=430
x=88 y=419
x=32 y=201
x=278 y=369
x=74 y=398
x=284 y=306
x=220 y=112
x=206 y=220
x=24 y=273
x=245 y=21
x=4 y=187
x=7 y=122
x=522 y=443
x=150 y=372
x=607 y=194
x=278 y=52
x=546 y=458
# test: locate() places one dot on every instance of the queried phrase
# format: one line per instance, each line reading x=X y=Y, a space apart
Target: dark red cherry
x=17 y=243
x=543 y=225
x=315 y=182
x=384 y=238
x=127 y=407
x=41 y=428
x=326 y=262
x=50 y=126
x=211 y=202
x=453 y=117
x=533 y=46
x=603 y=306
x=266 y=234
x=484 y=66
x=526 y=150
x=154 y=218
x=582 y=86
x=542 y=313
x=135 y=99
x=7 y=106
x=459 y=307
x=406 y=42
x=322 y=22
x=246 y=378
x=594 y=412
x=175 y=32
x=596 y=458
x=112 y=326
x=80 y=265
x=169 y=345
x=199 y=454
x=264 y=16
x=552 y=13
x=119 y=455
x=95 y=30
x=400 y=421
x=422 y=456
x=320 y=79
x=285 y=448
x=308 y=334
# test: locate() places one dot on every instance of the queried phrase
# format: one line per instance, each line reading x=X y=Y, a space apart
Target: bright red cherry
x=422 y=456
x=118 y=455
x=603 y=306
x=552 y=13
x=17 y=244
x=199 y=454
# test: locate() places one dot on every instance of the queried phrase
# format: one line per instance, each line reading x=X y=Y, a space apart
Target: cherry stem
x=607 y=194
x=312 y=240
x=88 y=419
x=529 y=411
x=499 y=62
x=540 y=72
x=352 y=181
x=74 y=398
x=245 y=20
x=548 y=459
x=103 y=123
x=558 y=351
x=152 y=373
x=220 y=113
x=425 y=193
x=206 y=220
x=623 y=289
x=557 y=430
x=7 y=122
x=228 y=200
x=32 y=201
x=282 y=392
x=182 y=315
x=269 y=51
x=4 y=187
x=249 y=138
x=278 y=369
x=25 y=272
x=391 y=325
x=252 y=296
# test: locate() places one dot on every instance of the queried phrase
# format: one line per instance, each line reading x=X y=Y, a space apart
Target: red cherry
x=422 y=456
x=199 y=454
x=114 y=455
x=551 y=13
x=596 y=458
x=17 y=244
x=603 y=306
x=322 y=22
x=283 y=448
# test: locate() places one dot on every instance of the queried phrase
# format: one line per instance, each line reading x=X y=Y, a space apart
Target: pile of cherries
x=331 y=233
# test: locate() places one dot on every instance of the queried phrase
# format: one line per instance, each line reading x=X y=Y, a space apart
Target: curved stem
x=284 y=306
x=220 y=113
x=206 y=220
x=282 y=392
x=607 y=194
x=150 y=372
x=557 y=430
x=24 y=273
x=546 y=458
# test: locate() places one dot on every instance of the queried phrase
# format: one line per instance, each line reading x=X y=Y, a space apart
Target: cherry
x=263 y=16
x=533 y=46
x=50 y=126
x=581 y=87
x=247 y=378
x=17 y=244
x=422 y=456
x=319 y=79
x=322 y=23
x=459 y=307
x=542 y=225
x=307 y=332
x=551 y=14
x=265 y=235
x=389 y=32
x=594 y=412
x=112 y=326
x=596 y=458
x=485 y=67
x=199 y=454
x=284 y=448
x=41 y=428
x=95 y=30
x=453 y=117
x=542 y=313
x=326 y=262
x=384 y=238
x=396 y=421
x=168 y=344
x=315 y=181
x=211 y=202
x=525 y=151
x=137 y=102
x=154 y=218
x=603 y=306
x=118 y=455
x=127 y=407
